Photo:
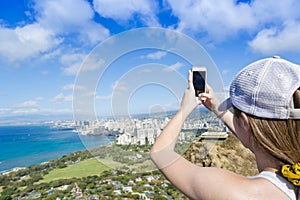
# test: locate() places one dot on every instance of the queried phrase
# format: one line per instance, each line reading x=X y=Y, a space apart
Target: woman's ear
x=245 y=125
x=244 y=122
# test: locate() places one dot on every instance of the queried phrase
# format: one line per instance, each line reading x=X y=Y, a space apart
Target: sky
x=46 y=46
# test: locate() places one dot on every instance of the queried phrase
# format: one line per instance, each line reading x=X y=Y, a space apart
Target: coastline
x=26 y=145
x=12 y=170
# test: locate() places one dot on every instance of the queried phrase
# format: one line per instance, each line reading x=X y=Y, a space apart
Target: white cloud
x=218 y=18
x=26 y=107
x=5 y=111
x=275 y=40
x=103 y=97
x=119 y=87
x=72 y=63
x=19 y=111
x=155 y=56
x=28 y=104
x=221 y=19
x=61 y=98
x=267 y=11
x=93 y=63
x=58 y=111
x=24 y=42
x=91 y=94
x=72 y=87
x=25 y=111
x=61 y=16
x=57 y=22
x=50 y=55
x=78 y=62
x=93 y=32
x=175 y=66
x=72 y=69
x=36 y=106
x=124 y=10
x=70 y=16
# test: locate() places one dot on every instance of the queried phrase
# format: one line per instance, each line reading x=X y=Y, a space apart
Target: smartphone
x=199 y=79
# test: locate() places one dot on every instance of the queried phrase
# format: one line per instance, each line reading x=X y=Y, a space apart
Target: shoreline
x=47 y=146
x=15 y=169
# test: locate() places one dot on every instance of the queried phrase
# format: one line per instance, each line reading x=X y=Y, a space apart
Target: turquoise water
x=22 y=146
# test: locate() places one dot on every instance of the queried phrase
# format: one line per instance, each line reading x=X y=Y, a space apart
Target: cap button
x=277 y=57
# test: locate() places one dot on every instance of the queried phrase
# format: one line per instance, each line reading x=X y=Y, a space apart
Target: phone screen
x=199 y=82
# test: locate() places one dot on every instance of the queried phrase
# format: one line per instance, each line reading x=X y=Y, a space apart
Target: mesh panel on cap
x=265 y=88
x=244 y=86
x=272 y=96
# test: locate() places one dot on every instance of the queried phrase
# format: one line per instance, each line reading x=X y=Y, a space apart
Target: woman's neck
x=266 y=162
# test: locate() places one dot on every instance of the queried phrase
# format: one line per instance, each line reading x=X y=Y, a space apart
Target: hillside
x=230 y=154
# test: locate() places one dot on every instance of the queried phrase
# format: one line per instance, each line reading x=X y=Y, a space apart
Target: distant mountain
x=32 y=119
x=42 y=118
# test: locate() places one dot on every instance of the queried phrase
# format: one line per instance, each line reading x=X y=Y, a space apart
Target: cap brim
x=294 y=114
x=225 y=105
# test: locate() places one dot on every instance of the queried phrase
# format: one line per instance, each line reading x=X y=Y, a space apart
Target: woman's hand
x=189 y=101
x=210 y=100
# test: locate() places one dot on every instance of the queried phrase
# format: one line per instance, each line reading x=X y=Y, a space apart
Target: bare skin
x=212 y=183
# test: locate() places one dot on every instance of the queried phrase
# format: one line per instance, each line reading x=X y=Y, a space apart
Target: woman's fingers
x=190 y=80
x=205 y=95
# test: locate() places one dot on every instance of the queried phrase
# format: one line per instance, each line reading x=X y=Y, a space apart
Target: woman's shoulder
x=274 y=184
x=229 y=185
x=264 y=189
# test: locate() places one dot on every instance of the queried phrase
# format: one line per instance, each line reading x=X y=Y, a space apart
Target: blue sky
x=44 y=43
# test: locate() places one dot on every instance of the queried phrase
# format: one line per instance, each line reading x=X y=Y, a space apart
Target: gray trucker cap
x=265 y=89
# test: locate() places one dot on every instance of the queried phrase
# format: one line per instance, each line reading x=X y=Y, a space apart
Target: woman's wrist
x=183 y=113
x=219 y=114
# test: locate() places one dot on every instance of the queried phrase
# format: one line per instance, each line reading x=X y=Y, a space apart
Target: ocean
x=22 y=146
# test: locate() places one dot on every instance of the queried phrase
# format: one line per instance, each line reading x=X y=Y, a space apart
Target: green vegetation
x=82 y=175
x=81 y=169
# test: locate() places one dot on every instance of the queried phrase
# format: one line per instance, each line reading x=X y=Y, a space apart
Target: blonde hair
x=280 y=138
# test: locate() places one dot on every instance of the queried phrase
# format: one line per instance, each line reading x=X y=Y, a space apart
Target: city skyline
x=44 y=44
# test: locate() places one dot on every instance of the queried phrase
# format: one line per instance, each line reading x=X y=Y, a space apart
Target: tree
x=5 y=197
x=9 y=191
x=146 y=141
x=91 y=186
x=61 y=165
x=160 y=198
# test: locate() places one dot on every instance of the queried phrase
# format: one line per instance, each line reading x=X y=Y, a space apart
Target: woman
x=265 y=118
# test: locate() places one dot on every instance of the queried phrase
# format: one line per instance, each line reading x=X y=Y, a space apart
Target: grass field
x=81 y=169
x=139 y=167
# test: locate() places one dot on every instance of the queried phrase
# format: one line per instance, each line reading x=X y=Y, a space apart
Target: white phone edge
x=201 y=68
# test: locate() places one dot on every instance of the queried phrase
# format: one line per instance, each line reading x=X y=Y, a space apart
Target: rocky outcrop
x=229 y=154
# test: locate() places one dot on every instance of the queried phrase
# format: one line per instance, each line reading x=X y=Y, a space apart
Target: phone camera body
x=199 y=79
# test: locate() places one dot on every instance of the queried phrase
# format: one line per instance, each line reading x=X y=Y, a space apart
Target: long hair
x=280 y=138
